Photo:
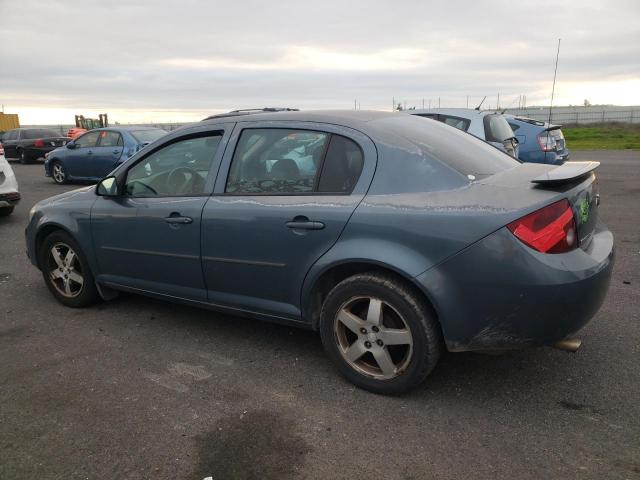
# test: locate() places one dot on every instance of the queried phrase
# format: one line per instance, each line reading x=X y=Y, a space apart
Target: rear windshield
x=40 y=133
x=461 y=151
x=496 y=128
x=148 y=136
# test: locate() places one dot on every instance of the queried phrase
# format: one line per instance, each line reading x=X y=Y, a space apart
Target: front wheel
x=6 y=211
x=379 y=333
x=66 y=271
x=58 y=173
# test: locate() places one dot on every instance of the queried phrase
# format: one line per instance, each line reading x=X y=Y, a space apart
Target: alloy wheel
x=373 y=338
x=65 y=270
x=58 y=173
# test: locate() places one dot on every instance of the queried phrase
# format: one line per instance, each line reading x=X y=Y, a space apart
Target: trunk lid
x=541 y=185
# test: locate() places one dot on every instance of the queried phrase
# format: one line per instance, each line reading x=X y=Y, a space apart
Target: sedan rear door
x=283 y=196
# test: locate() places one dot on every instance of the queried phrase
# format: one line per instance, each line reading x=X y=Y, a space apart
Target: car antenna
x=480 y=104
x=507 y=107
x=553 y=88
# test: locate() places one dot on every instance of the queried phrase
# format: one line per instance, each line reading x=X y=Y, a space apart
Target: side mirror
x=71 y=145
x=108 y=187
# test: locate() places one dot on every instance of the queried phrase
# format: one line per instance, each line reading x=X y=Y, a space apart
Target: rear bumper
x=500 y=294
x=9 y=199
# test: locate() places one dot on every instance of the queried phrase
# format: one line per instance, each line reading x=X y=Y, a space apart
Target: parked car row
x=9 y=193
x=393 y=236
x=523 y=138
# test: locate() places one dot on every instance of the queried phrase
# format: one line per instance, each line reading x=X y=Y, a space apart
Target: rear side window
x=496 y=128
x=286 y=161
x=514 y=127
x=342 y=166
x=39 y=133
x=110 y=139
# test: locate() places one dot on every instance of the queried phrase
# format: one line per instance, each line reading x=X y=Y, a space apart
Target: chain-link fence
x=581 y=115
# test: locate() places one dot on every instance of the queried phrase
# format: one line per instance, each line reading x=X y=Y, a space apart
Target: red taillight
x=551 y=229
x=39 y=143
x=1 y=149
x=547 y=142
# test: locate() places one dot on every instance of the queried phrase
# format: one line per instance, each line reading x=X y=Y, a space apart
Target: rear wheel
x=66 y=271
x=24 y=157
x=379 y=333
x=58 y=173
x=6 y=211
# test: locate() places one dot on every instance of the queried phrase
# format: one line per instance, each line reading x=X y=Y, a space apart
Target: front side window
x=87 y=140
x=178 y=169
x=276 y=161
x=110 y=139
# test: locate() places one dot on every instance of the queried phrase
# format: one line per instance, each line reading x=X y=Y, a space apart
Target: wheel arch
x=43 y=232
x=319 y=287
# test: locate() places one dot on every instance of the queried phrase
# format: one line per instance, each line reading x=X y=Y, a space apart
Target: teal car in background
x=94 y=154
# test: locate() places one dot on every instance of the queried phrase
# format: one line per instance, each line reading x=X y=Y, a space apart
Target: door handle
x=90 y=152
x=173 y=218
x=303 y=223
x=115 y=152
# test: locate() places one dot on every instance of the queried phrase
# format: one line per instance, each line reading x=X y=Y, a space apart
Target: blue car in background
x=539 y=142
x=93 y=155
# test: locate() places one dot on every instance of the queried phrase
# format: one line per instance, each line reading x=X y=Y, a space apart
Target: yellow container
x=8 y=121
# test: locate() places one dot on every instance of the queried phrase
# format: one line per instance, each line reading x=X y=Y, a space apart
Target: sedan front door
x=148 y=238
x=106 y=154
x=78 y=160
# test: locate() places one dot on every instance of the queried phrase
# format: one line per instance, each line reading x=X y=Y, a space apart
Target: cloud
x=181 y=59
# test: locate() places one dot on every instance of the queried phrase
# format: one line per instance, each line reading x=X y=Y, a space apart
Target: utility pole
x=429 y=103
x=438 y=102
x=467 y=101
x=423 y=103
x=498 y=102
x=393 y=105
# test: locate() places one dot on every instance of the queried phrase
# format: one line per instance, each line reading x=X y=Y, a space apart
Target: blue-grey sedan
x=94 y=154
x=394 y=237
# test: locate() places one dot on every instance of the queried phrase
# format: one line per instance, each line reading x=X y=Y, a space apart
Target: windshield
x=496 y=128
x=148 y=136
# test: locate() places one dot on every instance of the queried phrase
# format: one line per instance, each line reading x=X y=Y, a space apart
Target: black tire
x=400 y=301
x=6 y=211
x=24 y=157
x=84 y=295
x=60 y=180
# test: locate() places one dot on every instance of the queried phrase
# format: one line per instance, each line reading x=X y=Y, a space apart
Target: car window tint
x=39 y=133
x=457 y=122
x=110 y=139
x=277 y=161
x=514 y=127
x=342 y=166
x=178 y=169
x=87 y=140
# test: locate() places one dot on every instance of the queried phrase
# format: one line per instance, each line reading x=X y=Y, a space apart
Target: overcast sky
x=174 y=60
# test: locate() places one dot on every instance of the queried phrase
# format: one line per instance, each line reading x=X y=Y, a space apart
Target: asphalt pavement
x=141 y=389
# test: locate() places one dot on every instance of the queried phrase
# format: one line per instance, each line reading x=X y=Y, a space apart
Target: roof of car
x=456 y=112
x=321 y=116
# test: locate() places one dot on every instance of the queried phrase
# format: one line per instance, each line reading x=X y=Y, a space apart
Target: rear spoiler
x=565 y=173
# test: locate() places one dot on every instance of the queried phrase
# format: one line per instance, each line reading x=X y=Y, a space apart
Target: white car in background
x=492 y=127
x=9 y=194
